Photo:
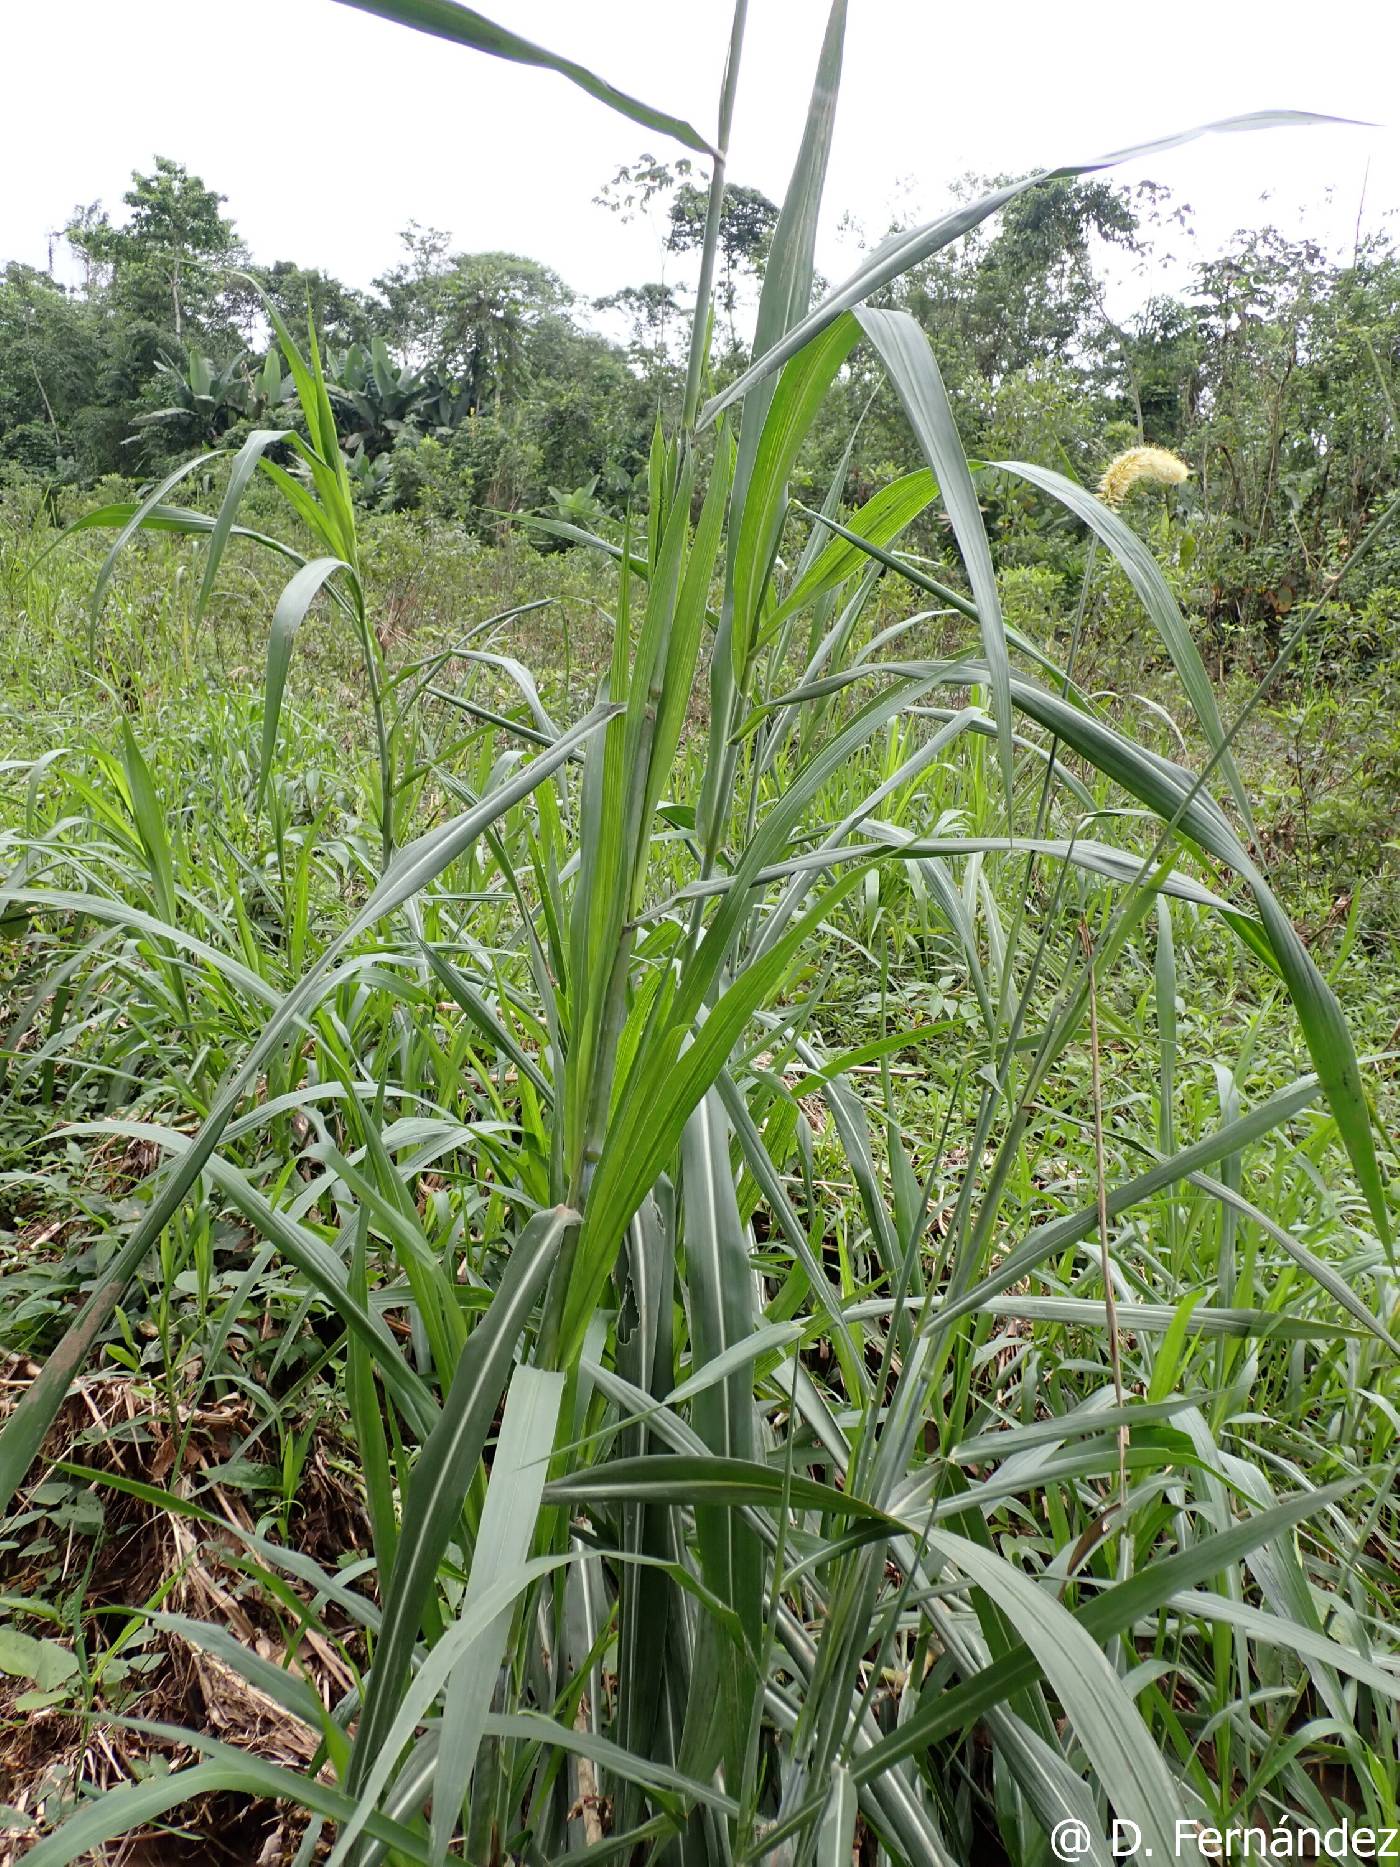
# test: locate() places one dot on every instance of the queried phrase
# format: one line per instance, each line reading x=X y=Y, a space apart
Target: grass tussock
x=719 y=1219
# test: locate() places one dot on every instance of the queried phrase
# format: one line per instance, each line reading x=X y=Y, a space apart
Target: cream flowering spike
x=1155 y=466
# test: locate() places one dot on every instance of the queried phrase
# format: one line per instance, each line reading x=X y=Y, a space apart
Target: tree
x=590 y=416
x=469 y=316
x=342 y=316
x=651 y=310
x=1296 y=428
x=489 y=305
x=49 y=363
x=1164 y=353
x=169 y=245
x=1028 y=293
x=746 y=222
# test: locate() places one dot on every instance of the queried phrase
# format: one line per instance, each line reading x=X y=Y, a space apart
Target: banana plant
x=381 y=400
x=207 y=396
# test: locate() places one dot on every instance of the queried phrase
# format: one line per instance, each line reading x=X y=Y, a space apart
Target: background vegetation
x=473 y=388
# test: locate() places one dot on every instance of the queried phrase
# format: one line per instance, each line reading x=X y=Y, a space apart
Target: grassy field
x=221 y=1422
x=709 y=1198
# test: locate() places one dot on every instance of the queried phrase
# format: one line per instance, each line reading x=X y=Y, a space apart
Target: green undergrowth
x=702 y=1198
x=220 y=1349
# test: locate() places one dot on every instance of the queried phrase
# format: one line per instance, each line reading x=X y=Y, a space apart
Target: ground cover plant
x=748 y=1236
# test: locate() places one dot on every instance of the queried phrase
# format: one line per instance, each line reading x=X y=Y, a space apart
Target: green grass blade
x=458 y=1647
x=1141 y=570
x=366 y=1417
x=283 y=1686
x=1275 y=1633
x=703 y=1480
x=314 y=1259
x=1168 y=790
x=1105 y=1615
x=908 y=358
x=415 y=866
x=880 y=520
x=902 y=251
x=518 y=1472
x=1332 y=1050
x=140 y=513
x=445 y=19
x=723 y=1314
x=1125 y=1757
x=245 y=465
x=801 y=390
x=655 y=1106
x=783 y=302
x=134 y=1806
x=534 y=1727
x=181 y=519
x=437 y=1490
x=149 y=818
x=837 y=1833
x=292 y=605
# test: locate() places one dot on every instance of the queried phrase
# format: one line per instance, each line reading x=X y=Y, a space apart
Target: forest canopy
x=471 y=386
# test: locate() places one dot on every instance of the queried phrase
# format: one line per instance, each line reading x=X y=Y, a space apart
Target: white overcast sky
x=329 y=129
